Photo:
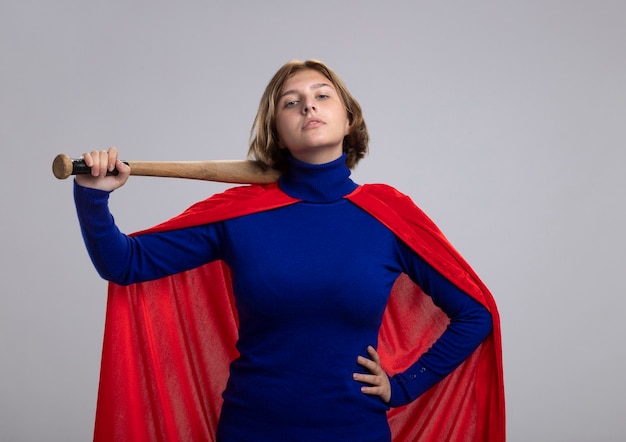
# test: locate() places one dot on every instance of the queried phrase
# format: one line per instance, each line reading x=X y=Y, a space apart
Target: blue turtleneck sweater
x=311 y=282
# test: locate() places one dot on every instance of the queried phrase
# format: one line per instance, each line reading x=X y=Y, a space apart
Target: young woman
x=313 y=260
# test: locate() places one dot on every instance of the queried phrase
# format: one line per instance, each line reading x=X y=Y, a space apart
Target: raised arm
x=123 y=259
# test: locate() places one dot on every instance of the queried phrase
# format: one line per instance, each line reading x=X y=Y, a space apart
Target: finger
x=104 y=163
x=121 y=167
x=123 y=173
x=376 y=385
x=92 y=159
x=88 y=159
x=375 y=391
x=95 y=162
x=373 y=380
x=373 y=354
x=112 y=158
x=371 y=365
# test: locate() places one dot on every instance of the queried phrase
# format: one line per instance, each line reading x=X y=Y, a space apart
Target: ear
x=348 y=127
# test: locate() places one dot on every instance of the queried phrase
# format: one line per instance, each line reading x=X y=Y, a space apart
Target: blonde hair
x=264 y=146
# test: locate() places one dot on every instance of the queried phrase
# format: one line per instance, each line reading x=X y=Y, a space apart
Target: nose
x=308 y=106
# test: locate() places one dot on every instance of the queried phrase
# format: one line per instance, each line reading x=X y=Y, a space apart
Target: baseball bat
x=224 y=171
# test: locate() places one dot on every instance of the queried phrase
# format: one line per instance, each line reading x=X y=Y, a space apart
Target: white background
x=504 y=120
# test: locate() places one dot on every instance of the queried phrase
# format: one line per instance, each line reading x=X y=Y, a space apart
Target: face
x=311 y=118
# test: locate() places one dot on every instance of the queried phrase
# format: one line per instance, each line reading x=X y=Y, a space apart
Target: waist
x=303 y=420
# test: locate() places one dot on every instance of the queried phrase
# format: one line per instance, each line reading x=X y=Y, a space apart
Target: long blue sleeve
x=126 y=260
x=470 y=323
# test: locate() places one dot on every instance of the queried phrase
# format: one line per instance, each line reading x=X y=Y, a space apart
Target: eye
x=291 y=103
x=322 y=96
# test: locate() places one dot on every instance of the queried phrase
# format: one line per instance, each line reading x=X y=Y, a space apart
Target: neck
x=318 y=183
x=318 y=154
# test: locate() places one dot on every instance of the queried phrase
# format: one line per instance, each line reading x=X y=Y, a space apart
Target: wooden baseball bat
x=224 y=171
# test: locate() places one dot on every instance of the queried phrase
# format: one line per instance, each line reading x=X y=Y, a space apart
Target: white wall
x=503 y=120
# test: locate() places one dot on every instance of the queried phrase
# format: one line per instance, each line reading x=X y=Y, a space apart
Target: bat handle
x=64 y=166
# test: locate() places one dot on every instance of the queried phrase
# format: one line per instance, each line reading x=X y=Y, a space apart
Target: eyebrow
x=313 y=86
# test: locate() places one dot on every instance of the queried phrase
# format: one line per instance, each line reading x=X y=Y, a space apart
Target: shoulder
x=232 y=203
x=409 y=223
x=239 y=195
x=383 y=197
x=385 y=192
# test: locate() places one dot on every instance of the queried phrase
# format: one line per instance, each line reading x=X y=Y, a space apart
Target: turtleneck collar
x=317 y=183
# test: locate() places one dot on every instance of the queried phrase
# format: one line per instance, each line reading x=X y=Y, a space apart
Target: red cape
x=168 y=343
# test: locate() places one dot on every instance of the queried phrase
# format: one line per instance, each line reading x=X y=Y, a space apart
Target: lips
x=312 y=123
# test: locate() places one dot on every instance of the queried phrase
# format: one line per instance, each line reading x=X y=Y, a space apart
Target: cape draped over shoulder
x=168 y=343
